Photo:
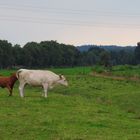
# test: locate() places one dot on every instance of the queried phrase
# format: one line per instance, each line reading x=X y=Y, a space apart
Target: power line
x=65 y=22
x=28 y=8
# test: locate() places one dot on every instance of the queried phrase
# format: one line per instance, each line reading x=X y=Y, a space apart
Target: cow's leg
x=10 y=90
x=21 y=89
x=45 y=86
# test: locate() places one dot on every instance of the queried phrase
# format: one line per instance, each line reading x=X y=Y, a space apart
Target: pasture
x=90 y=108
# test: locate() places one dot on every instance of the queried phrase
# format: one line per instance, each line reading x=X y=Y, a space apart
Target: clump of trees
x=50 y=53
x=43 y=54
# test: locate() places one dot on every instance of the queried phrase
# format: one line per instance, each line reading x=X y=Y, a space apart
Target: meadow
x=90 y=108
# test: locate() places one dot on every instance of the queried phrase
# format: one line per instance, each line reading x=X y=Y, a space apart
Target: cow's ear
x=60 y=76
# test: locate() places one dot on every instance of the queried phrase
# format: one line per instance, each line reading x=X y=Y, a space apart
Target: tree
x=105 y=59
x=18 y=55
x=137 y=53
x=33 y=55
x=94 y=56
x=6 y=55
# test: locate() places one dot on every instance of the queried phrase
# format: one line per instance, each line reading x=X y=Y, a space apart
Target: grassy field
x=90 y=108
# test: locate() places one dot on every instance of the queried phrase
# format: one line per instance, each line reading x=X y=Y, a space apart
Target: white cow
x=44 y=78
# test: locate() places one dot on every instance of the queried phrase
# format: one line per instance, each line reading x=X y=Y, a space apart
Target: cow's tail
x=18 y=73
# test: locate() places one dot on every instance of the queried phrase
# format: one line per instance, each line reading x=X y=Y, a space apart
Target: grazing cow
x=8 y=82
x=43 y=78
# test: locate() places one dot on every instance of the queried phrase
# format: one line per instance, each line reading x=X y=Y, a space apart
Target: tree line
x=53 y=54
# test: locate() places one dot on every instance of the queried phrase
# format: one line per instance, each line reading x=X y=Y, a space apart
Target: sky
x=75 y=22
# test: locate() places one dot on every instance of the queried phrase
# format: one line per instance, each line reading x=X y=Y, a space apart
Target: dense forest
x=53 y=54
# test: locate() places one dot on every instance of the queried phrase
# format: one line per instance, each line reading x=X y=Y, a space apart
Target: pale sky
x=76 y=22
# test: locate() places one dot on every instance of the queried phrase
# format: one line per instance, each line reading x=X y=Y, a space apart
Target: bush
x=98 y=69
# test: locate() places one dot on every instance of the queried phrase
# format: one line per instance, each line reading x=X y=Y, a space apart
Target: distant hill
x=106 y=47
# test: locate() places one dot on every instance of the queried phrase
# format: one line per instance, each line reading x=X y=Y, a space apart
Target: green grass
x=127 y=70
x=90 y=108
x=122 y=70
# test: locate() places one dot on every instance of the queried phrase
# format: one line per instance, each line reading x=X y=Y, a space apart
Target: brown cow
x=8 y=82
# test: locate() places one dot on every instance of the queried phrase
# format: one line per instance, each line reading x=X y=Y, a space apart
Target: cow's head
x=62 y=80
